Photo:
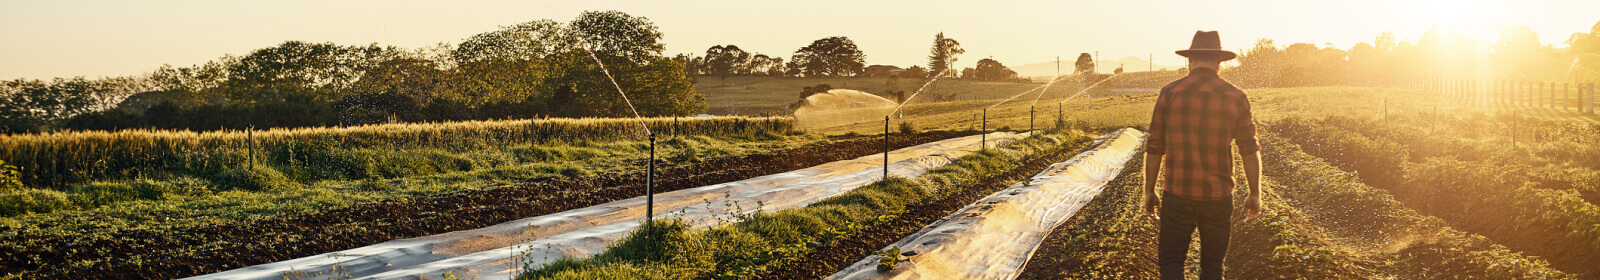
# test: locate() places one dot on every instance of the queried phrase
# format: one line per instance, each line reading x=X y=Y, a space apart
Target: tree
x=942 y=56
x=1085 y=64
x=524 y=41
x=718 y=64
x=1118 y=70
x=619 y=34
x=738 y=60
x=991 y=70
x=776 y=67
x=831 y=57
x=915 y=72
x=1582 y=43
x=297 y=72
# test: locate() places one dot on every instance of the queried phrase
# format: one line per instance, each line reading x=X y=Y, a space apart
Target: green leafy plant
x=890 y=258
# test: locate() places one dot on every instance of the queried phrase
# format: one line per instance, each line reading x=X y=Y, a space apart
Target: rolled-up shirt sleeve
x=1155 y=142
x=1244 y=128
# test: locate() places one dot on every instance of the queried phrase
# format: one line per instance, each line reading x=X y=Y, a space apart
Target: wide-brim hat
x=1207 y=44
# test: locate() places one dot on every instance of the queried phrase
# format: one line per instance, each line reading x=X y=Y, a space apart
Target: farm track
x=824 y=261
x=207 y=249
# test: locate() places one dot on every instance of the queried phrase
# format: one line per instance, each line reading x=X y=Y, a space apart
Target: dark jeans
x=1179 y=218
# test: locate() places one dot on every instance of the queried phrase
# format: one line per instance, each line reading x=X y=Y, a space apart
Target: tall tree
x=991 y=70
x=718 y=64
x=915 y=72
x=1085 y=64
x=619 y=34
x=831 y=57
x=942 y=56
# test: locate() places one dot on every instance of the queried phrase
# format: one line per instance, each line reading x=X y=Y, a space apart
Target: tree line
x=1517 y=54
x=838 y=56
x=534 y=69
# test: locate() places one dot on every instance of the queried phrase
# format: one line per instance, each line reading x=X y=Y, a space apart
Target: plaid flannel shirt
x=1195 y=119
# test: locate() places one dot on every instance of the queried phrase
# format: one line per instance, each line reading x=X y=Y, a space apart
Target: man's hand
x=1151 y=204
x=1252 y=207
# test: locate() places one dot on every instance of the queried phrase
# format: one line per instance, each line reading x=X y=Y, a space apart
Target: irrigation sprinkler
x=1030 y=118
x=885 y=147
x=649 y=177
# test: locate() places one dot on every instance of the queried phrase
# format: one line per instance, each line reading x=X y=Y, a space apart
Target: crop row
x=1493 y=193
x=57 y=160
x=1320 y=223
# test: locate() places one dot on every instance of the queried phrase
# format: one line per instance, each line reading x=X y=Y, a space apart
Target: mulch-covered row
x=824 y=261
x=214 y=248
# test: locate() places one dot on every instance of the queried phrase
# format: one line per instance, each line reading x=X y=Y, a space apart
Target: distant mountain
x=1046 y=69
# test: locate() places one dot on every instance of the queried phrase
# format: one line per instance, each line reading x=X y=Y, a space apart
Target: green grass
x=759 y=240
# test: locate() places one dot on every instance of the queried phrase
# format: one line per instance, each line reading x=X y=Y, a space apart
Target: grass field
x=740 y=95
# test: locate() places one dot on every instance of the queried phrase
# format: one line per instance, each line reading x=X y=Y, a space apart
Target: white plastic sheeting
x=994 y=237
x=501 y=251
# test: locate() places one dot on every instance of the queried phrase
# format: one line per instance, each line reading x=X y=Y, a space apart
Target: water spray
x=650 y=169
x=896 y=110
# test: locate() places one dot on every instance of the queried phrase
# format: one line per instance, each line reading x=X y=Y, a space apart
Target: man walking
x=1194 y=121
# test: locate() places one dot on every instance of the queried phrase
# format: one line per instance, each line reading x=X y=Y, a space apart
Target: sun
x=1476 y=19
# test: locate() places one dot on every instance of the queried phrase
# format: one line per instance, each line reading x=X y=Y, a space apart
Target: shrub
x=106 y=193
x=259 y=178
x=19 y=202
x=9 y=178
x=908 y=128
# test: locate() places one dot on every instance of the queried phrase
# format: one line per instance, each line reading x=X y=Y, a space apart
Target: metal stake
x=650 y=183
x=983 y=143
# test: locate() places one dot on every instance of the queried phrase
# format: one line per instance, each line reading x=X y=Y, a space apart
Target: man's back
x=1195 y=120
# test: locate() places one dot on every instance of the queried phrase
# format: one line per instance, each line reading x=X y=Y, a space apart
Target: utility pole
x=1058 y=66
x=1097 y=62
x=1152 y=61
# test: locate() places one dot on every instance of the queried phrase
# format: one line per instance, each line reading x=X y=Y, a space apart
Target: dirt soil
x=213 y=248
x=824 y=261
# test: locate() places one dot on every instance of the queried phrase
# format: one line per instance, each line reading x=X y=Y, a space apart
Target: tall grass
x=57 y=160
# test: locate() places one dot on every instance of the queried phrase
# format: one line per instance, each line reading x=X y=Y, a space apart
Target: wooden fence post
x=1591 y=103
x=250 y=138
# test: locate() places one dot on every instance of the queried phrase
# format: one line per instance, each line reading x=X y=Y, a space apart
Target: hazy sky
x=64 y=38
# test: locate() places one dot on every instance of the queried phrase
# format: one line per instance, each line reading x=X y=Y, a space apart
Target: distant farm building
x=882 y=71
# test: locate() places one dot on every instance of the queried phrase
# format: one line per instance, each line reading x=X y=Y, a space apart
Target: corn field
x=53 y=160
